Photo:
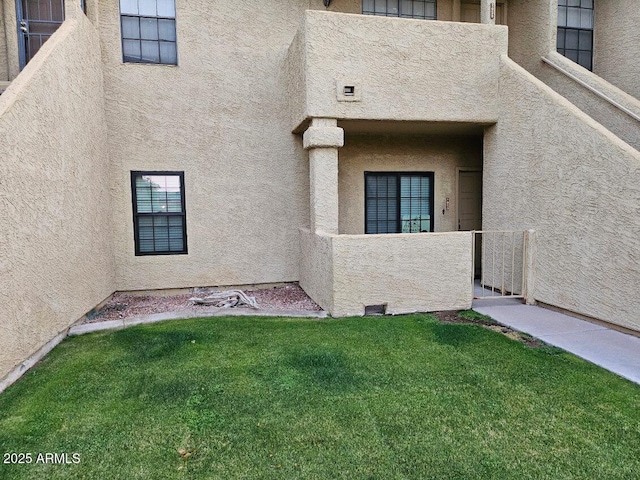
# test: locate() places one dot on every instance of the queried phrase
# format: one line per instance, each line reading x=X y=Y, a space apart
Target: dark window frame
x=562 y=34
x=140 y=39
x=398 y=175
x=137 y=215
x=400 y=12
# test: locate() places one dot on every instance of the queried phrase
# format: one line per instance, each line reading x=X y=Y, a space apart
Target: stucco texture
x=421 y=272
x=10 y=41
x=4 y=54
x=532 y=31
x=402 y=69
x=604 y=112
x=578 y=186
x=385 y=153
x=220 y=116
x=406 y=273
x=617 y=44
x=55 y=247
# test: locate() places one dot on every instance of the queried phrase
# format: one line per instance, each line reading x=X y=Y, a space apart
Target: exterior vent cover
x=375 y=309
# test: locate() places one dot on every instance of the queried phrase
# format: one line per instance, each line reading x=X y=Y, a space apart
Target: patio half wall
x=404 y=272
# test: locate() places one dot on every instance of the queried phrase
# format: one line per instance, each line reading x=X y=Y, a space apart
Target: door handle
x=23 y=27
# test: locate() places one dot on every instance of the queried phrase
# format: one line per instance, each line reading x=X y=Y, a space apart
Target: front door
x=37 y=20
x=470 y=207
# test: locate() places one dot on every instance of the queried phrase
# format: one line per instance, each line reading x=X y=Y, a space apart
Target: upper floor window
x=149 y=31
x=575 y=31
x=425 y=9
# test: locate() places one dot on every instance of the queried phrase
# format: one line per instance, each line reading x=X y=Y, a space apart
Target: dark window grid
x=398 y=200
x=565 y=24
x=567 y=3
x=39 y=15
x=587 y=49
x=401 y=13
x=137 y=216
x=140 y=39
x=164 y=238
x=583 y=54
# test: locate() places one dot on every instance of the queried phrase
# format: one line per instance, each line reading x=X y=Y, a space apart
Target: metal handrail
x=590 y=88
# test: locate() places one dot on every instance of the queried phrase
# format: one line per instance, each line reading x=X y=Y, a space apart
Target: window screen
x=159 y=213
x=398 y=202
x=149 y=31
x=575 y=31
x=425 y=9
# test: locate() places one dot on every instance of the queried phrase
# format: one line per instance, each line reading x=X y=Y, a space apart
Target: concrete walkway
x=615 y=351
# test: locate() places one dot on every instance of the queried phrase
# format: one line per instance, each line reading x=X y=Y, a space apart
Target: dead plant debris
x=471 y=317
x=121 y=306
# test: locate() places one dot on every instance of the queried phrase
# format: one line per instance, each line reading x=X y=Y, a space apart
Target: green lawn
x=374 y=398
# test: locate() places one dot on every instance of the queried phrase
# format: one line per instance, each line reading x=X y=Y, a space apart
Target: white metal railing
x=502 y=260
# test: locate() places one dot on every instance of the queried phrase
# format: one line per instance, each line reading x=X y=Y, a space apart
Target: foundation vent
x=375 y=309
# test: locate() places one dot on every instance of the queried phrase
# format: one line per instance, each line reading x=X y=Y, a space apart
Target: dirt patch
x=121 y=306
x=470 y=317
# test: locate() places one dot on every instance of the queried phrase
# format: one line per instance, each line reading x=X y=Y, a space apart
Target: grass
x=365 y=398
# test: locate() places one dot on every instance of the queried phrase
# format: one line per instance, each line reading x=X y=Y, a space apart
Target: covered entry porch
x=386 y=230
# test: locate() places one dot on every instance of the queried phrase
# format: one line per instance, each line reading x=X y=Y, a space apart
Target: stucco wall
x=532 y=31
x=316 y=267
x=617 y=43
x=4 y=54
x=11 y=39
x=440 y=155
x=403 y=69
x=604 y=112
x=55 y=246
x=407 y=273
x=220 y=116
x=421 y=272
x=578 y=186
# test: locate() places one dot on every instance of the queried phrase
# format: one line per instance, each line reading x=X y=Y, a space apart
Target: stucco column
x=455 y=15
x=488 y=12
x=323 y=139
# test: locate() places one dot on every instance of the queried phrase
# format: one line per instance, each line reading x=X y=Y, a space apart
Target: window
x=149 y=31
x=425 y=9
x=159 y=220
x=398 y=202
x=575 y=31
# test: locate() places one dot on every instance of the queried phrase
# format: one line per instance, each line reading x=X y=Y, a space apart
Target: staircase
x=608 y=105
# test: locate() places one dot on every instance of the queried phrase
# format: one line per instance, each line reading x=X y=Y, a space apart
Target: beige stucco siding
x=532 y=31
x=413 y=272
x=402 y=69
x=441 y=155
x=406 y=273
x=11 y=39
x=56 y=261
x=316 y=267
x=221 y=117
x=617 y=43
x=4 y=54
x=603 y=111
x=579 y=191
